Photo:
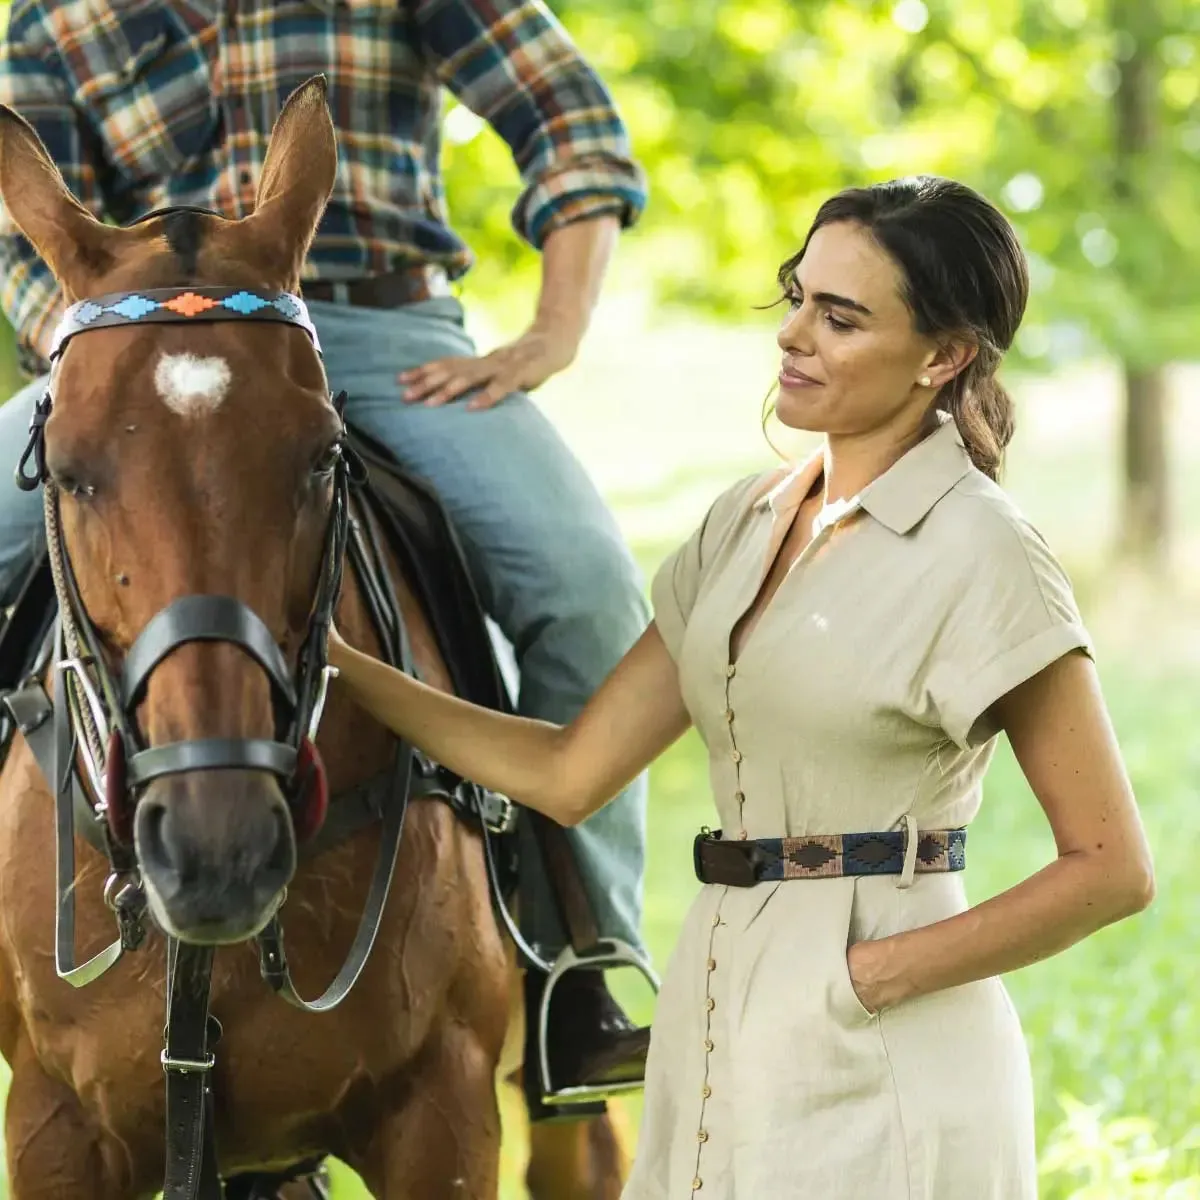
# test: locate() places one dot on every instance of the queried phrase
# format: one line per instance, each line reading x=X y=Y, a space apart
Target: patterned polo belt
x=823 y=856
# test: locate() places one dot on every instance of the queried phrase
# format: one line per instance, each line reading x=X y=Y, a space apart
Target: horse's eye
x=72 y=485
x=327 y=463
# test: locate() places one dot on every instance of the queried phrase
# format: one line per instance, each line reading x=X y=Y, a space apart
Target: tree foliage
x=747 y=113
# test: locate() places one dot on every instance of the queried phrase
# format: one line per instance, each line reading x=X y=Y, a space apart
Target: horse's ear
x=296 y=183
x=77 y=248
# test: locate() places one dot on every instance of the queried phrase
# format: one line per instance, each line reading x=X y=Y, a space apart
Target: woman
x=849 y=638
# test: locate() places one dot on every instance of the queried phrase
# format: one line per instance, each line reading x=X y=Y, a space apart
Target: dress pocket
x=844 y=984
x=850 y=996
x=143 y=80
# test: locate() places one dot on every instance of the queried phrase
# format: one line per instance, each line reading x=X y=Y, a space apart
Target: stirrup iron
x=604 y=955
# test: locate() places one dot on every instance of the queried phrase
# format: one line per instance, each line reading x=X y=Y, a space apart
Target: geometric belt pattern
x=824 y=856
x=175 y=305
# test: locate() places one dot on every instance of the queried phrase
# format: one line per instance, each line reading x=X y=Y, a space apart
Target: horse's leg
x=53 y=1152
x=576 y=1160
x=441 y=1141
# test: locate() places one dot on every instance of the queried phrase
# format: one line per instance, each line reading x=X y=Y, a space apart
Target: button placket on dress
x=710 y=1002
x=821 y=533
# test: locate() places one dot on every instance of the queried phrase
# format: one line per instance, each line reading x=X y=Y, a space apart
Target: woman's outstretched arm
x=566 y=772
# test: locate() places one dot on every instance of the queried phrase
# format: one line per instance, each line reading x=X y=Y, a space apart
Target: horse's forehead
x=190 y=385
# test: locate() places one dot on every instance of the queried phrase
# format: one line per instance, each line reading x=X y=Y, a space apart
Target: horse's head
x=195 y=460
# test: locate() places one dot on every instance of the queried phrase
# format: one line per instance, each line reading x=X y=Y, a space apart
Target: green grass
x=665 y=419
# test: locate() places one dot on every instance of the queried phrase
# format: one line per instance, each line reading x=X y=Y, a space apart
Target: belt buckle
x=750 y=858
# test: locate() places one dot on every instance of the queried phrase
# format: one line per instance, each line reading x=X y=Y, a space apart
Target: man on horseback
x=150 y=105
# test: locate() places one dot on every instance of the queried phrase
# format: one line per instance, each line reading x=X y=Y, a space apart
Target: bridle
x=99 y=718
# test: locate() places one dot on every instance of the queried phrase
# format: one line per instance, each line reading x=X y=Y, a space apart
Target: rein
x=95 y=724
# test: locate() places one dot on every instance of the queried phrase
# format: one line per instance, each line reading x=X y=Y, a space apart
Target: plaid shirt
x=144 y=104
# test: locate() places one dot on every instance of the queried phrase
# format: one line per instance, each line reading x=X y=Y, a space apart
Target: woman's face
x=852 y=359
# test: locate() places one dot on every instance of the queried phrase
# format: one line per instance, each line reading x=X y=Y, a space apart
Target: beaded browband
x=171 y=305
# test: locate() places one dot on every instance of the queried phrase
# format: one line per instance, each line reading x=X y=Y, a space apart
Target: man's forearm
x=575 y=258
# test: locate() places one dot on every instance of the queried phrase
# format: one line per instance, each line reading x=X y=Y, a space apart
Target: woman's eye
x=834 y=323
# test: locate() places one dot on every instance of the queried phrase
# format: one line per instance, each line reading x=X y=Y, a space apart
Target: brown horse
x=191 y=461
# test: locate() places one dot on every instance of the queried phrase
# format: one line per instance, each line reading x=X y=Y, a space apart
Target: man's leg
x=21 y=530
x=551 y=566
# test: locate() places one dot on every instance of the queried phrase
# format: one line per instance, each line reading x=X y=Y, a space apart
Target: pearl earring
x=926 y=381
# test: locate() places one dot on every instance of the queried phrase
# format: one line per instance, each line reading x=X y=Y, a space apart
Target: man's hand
x=574 y=258
x=522 y=365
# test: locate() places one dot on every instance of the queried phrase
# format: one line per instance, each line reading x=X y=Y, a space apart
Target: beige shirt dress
x=858 y=703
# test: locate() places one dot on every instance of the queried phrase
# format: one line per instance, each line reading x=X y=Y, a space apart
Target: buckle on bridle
x=496 y=810
x=187 y=1066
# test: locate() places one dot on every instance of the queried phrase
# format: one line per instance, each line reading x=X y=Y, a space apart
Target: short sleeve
x=674 y=589
x=1014 y=615
x=676 y=585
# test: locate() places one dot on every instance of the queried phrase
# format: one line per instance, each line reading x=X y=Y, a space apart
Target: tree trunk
x=1145 y=512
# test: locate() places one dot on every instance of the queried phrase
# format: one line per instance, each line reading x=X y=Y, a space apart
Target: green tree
x=1079 y=117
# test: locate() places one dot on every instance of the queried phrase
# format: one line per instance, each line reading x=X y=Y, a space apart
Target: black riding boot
x=591 y=1042
x=292 y=1186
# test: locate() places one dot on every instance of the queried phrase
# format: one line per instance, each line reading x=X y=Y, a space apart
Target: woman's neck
x=851 y=463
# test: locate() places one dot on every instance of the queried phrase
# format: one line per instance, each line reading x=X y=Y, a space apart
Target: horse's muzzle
x=216 y=850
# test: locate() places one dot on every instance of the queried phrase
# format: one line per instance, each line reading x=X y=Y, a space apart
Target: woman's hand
x=565 y=772
x=869 y=966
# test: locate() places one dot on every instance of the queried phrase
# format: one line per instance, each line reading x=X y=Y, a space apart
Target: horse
x=186 y=461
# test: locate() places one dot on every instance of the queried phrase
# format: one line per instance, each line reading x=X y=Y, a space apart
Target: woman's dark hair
x=965 y=276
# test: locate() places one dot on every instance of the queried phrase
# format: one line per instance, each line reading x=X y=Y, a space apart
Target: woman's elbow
x=1142 y=887
x=1131 y=889
x=577 y=806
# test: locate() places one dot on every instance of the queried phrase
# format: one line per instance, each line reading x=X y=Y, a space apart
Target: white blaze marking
x=191 y=386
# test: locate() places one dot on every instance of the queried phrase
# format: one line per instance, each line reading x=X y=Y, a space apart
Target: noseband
x=101 y=704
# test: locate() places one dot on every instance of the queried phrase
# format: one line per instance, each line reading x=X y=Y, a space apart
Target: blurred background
x=1081 y=119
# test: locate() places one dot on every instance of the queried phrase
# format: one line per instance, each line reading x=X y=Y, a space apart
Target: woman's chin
x=799 y=412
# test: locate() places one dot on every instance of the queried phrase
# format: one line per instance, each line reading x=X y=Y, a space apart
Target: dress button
x=736 y=755
x=708 y=1046
x=706 y=1091
x=730 y=671
x=740 y=797
x=743 y=836
x=712 y=964
x=697 y=1184
x=716 y=921
x=702 y=1135
x=729 y=716
x=710 y=1004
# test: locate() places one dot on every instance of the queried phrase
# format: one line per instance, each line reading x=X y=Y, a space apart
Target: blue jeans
x=550 y=565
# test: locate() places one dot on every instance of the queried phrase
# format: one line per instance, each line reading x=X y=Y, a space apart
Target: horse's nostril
x=282 y=858
x=152 y=818
x=159 y=841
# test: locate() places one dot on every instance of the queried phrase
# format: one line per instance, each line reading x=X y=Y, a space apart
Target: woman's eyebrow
x=834 y=299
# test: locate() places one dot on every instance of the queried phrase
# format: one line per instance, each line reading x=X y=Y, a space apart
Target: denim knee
x=580 y=620
x=21 y=530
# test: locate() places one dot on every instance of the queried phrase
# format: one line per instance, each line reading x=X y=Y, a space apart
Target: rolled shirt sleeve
x=31 y=83
x=1014 y=615
x=513 y=64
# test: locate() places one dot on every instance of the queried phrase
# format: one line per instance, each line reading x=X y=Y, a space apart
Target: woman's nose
x=795 y=334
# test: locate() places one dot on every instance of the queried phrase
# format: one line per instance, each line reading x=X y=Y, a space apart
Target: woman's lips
x=790 y=377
